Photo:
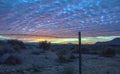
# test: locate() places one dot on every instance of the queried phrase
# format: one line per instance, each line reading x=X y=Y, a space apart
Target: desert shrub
x=34 y=69
x=2 y=42
x=67 y=69
x=62 y=52
x=16 y=44
x=65 y=55
x=6 y=50
x=13 y=60
x=9 y=59
x=61 y=55
x=37 y=52
x=16 y=48
x=44 y=45
x=62 y=59
x=66 y=58
x=108 y=52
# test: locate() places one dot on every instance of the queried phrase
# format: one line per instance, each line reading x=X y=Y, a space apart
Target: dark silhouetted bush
x=16 y=44
x=9 y=59
x=37 y=52
x=44 y=45
x=13 y=60
x=6 y=50
x=62 y=52
x=66 y=58
x=62 y=59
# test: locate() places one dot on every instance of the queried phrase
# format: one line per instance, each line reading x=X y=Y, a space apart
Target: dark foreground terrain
x=19 y=58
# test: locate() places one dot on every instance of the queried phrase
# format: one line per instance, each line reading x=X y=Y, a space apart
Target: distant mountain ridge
x=115 y=41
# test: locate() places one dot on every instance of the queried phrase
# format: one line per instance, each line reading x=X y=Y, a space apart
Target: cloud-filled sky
x=60 y=18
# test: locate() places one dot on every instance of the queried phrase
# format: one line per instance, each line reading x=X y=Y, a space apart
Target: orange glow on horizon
x=85 y=40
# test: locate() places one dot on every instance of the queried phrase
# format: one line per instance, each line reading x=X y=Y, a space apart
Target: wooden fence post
x=80 y=54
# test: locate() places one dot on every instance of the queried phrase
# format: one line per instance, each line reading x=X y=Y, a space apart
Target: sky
x=59 y=21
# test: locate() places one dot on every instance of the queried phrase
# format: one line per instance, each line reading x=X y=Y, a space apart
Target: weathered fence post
x=80 y=54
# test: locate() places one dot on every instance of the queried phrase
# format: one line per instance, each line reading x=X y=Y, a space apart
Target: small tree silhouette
x=44 y=45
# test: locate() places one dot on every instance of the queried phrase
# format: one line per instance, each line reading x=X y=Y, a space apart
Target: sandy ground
x=93 y=64
x=45 y=63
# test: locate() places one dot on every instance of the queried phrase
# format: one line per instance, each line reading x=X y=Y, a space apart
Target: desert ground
x=57 y=60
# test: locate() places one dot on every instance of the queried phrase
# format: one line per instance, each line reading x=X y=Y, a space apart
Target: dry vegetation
x=19 y=58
